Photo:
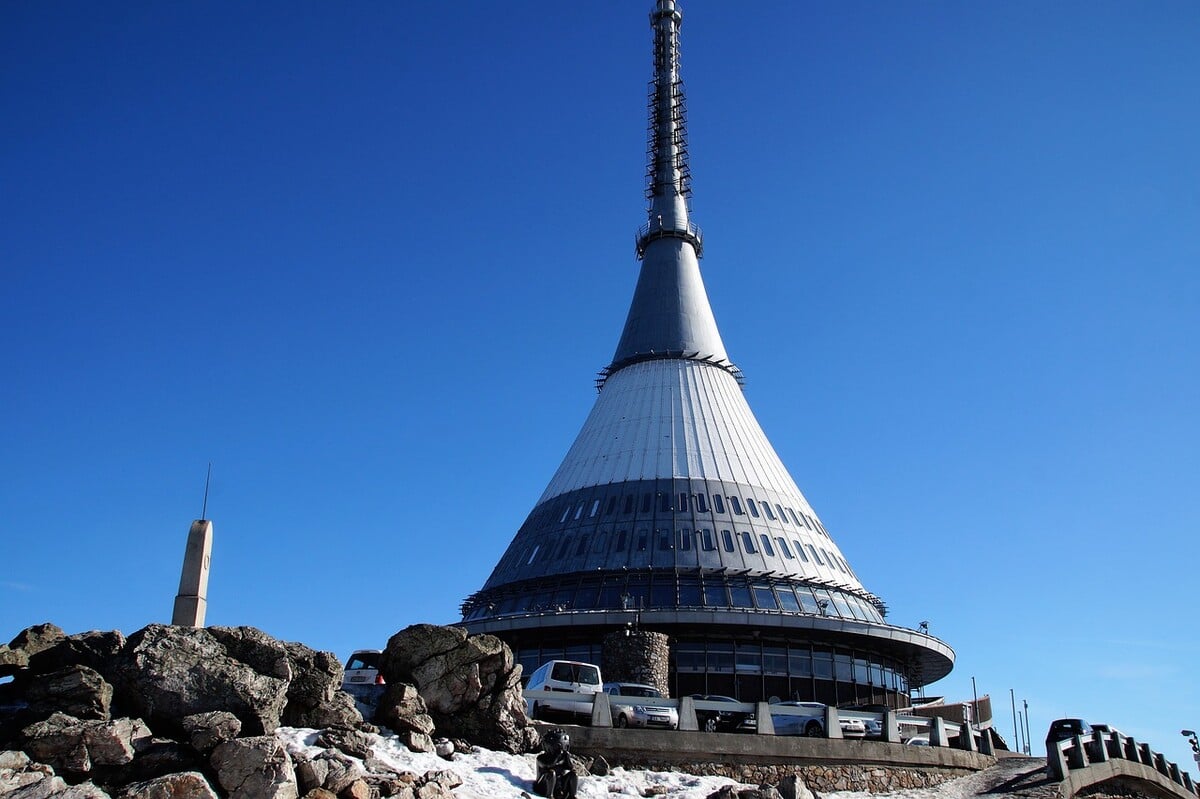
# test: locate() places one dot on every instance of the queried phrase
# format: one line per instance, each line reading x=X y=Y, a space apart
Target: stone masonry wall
x=823 y=778
x=636 y=656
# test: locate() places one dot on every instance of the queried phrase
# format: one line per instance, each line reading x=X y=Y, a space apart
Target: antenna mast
x=204 y=507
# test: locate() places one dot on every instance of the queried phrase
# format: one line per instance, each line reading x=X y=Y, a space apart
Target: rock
x=206 y=731
x=657 y=790
x=71 y=745
x=415 y=741
x=792 y=787
x=359 y=789
x=432 y=790
x=320 y=793
x=85 y=790
x=12 y=661
x=599 y=766
x=314 y=695
x=15 y=657
x=330 y=770
x=444 y=748
x=445 y=778
x=470 y=684
x=93 y=649
x=352 y=743
x=255 y=768
x=402 y=709
x=185 y=785
x=78 y=691
x=160 y=757
x=13 y=760
x=168 y=672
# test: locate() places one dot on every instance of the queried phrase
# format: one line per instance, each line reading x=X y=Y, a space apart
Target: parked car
x=578 y=682
x=874 y=726
x=852 y=728
x=643 y=714
x=809 y=719
x=362 y=668
x=731 y=720
x=362 y=679
x=918 y=740
x=1065 y=730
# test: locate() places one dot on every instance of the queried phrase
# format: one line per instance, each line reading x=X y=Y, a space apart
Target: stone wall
x=636 y=656
x=820 y=778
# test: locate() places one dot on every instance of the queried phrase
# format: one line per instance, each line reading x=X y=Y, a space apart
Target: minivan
x=566 y=677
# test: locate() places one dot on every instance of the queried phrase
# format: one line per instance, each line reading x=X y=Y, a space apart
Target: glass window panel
x=647 y=498
x=816 y=556
x=764 y=598
x=767 y=510
x=683 y=503
x=664 y=541
x=843 y=609
x=718 y=503
x=749 y=659
x=628 y=507
x=690 y=657
x=601 y=542
x=736 y=505
x=748 y=543
x=775 y=660
x=727 y=539
x=690 y=595
x=860 y=671
x=842 y=667
x=783 y=546
x=566 y=513
x=823 y=665
x=685 y=539
x=739 y=596
x=579 y=510
x=701 y=503
x=795 y=518
x=610 y=595
x=750 y=503
x=766 y=544
x=720 y=657
x=800 y=662
x=807 y=603
x=715 y=596
x=824 y=606
x=643 y=540
x=563 y=597
x=706 y=541
x=622 y=540
x=637 y=592
x=662 y=595
x=664 y=503
x=783 y=516
x=583 y=543
x=612 y=505
x=787 y=598
x=800 y=550
x=586 y=598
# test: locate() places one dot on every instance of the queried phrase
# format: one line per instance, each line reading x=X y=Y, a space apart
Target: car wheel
x=710 y=724
x=622 y=721
x=813 y=729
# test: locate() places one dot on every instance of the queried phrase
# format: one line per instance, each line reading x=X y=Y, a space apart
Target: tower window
x=683 y=503
x=685 y=540
x=767 y=510
x=782 y=515
x=753 y=506
x=764 y=598
x=566 y=513
x=718 y=503
x=800 y=550
x=628 y=504
x=601 y=542
x=579 y=511
x=748 y=543
x=533 y=554
x=795 y=518
x=643 y=541
x=622 y=539
x=595 y=509
x=647 y=498
x=664 y=503
x=816 y=556
x=583 y=542
x=739 y=596
x=766 y=544
x=706 y=541
x=807 y=521
x=727 y=540
x=787 y=599
x=664 y=541
x=736 y=504
x=715 y=596
x=783 y=547
x=701 y=503
x=612 y=505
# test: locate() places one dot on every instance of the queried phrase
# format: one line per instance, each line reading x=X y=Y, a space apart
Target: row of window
x=671 y=503
x=685 y=540
x=666 y=592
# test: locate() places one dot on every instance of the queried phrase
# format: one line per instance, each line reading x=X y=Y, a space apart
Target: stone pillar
x=601 y=710
x=687 y=714
x=833 y=724
x=192 y=601
x=891 y=727
x=937 y=731
x=636 y=656
x=764 y=724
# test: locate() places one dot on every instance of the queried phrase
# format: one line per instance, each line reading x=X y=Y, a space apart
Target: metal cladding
x=672 y=503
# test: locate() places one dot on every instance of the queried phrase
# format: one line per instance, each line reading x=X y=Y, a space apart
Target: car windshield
x=363 y=660
x=640 y=690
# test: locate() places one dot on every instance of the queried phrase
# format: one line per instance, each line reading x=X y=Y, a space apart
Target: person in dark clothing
x=556 y=776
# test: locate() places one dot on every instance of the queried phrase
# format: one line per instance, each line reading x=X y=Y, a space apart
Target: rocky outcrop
x=185 y=785
x=75 y=690
x=314 y=695
x=255 y=768
x=470 y=684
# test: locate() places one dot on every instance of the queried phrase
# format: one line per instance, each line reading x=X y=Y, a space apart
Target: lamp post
x=1191 y=736
x=1028 y=750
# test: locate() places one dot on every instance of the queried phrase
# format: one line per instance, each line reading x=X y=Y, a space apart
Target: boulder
x=470 y=684
x=793 y=787
x=185 y=785
x=78 y=691
x=15 y=657
x=314 y=695
x=167 y=672
x=350 y=742
x=93 y=649
x=76 y=746
x=255 y=768
x=206 y=731
x=403 y=709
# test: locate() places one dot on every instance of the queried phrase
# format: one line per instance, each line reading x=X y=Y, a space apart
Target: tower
x=191 y=603
x=672 y=512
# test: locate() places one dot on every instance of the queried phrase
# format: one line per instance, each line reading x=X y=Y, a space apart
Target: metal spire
x=670 y=316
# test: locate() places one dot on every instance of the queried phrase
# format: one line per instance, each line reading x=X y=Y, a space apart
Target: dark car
x=732 y=720
x=1066 y=730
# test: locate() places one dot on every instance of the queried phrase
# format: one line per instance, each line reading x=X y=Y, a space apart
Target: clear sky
x=367 y=258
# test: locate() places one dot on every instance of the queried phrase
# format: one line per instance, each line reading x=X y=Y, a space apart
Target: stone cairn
x=191 y=713
x=636 y=656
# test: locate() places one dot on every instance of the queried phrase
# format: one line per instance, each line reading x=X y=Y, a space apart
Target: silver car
x=646 y=712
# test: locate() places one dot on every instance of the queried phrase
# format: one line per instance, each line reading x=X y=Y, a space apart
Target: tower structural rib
x=671 y=509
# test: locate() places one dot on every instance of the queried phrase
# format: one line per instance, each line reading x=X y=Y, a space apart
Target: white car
x=362 y=668
x=575 y=682
x=804 y=718
x=852 y=728
x=646 y=713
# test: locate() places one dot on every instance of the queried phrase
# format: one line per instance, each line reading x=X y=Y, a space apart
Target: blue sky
x=367 y=258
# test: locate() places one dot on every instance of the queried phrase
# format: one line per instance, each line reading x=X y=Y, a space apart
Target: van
x=566 y=677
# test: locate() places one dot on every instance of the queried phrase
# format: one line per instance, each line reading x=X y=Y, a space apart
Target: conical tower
x=672 y=512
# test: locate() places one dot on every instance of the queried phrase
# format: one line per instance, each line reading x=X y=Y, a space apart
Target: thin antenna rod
x=204 y=508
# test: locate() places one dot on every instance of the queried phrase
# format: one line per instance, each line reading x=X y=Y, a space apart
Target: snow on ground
x=498 y=775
